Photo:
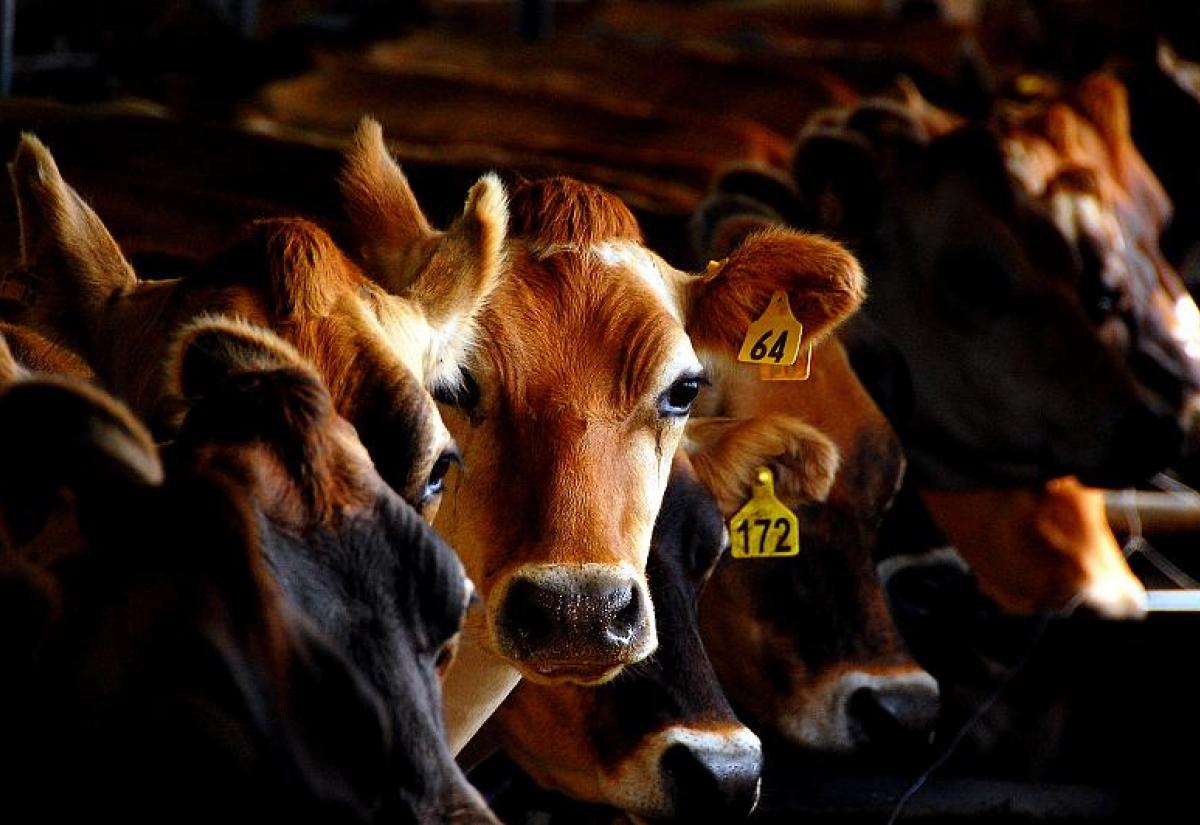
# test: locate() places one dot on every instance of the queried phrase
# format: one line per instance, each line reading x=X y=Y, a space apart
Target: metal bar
x=1173 y=601
x=1154 y=514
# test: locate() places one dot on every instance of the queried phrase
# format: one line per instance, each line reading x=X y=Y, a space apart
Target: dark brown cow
x=570 y=409
x=347 y=551
x=377 y=350
x=971 y=281
x=151 y=666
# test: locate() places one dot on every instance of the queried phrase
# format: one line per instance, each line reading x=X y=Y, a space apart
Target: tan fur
x=37 y=353
x=10 y=370
x=60 y=232
x=447 y=274
x=824 y=284
x=316 y=461
x=1036 y=549
x=376 y=351
x=725 y=453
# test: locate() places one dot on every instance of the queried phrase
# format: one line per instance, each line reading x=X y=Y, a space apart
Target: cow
x=347 y=551
x=661 y=741
x=377 y=351
x=972 y=281
x=152 y=667
x=569 y=410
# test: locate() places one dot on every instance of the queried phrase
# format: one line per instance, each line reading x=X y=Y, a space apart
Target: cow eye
x=437 y=476
x=445 y=654
x=677 y=400
x=464 y=395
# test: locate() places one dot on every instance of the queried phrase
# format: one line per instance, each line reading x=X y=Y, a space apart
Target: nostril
x=532 y=614
x=892 y=715
x=706 y=783
x=629 y=615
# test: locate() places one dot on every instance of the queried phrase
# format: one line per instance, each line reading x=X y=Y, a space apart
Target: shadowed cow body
x=151 y=664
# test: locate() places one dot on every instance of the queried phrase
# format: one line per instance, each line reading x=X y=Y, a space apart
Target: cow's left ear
x=447 y=274
x=726 y=452
x=1104 y=101
x=823 y=282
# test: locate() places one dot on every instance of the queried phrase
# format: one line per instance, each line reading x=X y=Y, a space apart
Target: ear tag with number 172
x=774 y=338
x=764 y=528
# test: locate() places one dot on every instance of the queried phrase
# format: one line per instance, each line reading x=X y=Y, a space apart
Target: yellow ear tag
x=764 y=528
x=798 y=371
x=774 y=338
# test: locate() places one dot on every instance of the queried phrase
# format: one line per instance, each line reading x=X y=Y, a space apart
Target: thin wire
x=982 y=711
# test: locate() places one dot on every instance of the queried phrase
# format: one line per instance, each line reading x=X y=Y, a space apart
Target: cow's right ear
x=63 y=442
x=726 y=452
x=62 y=238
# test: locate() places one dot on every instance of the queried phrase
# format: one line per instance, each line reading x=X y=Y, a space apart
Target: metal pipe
x=1154 y=514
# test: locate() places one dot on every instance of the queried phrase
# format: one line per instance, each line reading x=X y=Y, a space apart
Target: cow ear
x=838 y=181
x=974 y=155
x=766 y=184
x=823 y=282
x=63 y=441
x=61 y=237
x=449 y=274
x=725 y=454
x=1104 y=100
x=723 y=221
x=210 y=350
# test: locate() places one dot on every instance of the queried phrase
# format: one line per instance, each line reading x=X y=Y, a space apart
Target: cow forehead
x=567 y=315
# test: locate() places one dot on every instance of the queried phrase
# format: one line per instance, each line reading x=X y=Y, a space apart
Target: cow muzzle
x=574 y=622
x=686 y=774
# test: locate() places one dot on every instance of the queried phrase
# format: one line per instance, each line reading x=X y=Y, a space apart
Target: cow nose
x=576 y=622
x=712 y=783
x=897 y=714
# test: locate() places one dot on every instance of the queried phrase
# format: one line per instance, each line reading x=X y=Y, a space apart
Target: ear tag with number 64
x=764 y=528
x=774 y=338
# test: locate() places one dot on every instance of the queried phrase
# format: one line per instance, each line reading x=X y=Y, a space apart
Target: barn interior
x=1016 y=181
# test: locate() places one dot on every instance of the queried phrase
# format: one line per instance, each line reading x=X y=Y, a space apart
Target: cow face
x=376 y=349
x=573 y=402
x=150 y=663
x=347 y=551
x=806 y=646
x=1074 y=153
x=974 y=284
x=660 y=741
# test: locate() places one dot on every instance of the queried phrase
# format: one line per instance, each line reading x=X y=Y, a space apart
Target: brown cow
x=24 y=351
x=570 y=409
x=661 y=741
x=376 y=349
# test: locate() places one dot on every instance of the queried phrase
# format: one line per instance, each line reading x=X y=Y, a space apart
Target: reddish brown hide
x=1040 y=549
x=376 y=350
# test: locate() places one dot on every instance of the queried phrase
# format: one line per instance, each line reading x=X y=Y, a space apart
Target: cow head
x=162 y=671
x=347 y=551
x=573 y=401
x=1073 y=152
x=377 y=349
x=661 y=741
x=805 y=646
